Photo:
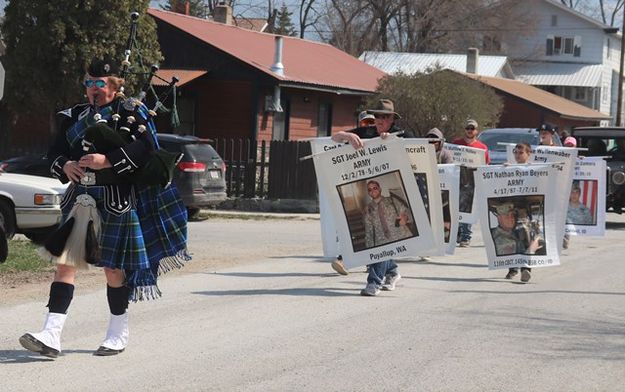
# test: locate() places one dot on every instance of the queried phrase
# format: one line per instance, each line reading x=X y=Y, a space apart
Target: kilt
x=146 y=240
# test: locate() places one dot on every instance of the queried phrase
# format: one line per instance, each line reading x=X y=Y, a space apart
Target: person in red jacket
x=471 y=130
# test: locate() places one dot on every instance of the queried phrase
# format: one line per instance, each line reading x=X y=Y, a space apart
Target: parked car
x=200 y=177
x=608 y=142
x=492 y=138
x=30 y=205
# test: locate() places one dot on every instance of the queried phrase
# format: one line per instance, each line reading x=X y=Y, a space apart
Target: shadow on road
x=450 y=264
x=296 y=292
x=440 y=279
x=270 y=274
x=21 y=356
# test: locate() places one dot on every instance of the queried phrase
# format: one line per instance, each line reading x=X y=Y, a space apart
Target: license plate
x=214 y=174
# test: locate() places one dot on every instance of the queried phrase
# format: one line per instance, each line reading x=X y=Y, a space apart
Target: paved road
x=286 y=323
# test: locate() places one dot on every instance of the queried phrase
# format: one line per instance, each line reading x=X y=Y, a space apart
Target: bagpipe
x=75 y=242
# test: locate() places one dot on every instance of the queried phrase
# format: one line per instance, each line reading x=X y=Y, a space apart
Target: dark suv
x=608 y=142
x=200 y=177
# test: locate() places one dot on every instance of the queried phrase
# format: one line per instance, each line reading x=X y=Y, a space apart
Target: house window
x=557 y=46
x=324 y=119
x=554 y=20
x=579 y=93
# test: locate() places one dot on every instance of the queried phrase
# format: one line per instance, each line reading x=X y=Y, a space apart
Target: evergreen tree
x=48 y=48
x=197 y=8
x=285 y=26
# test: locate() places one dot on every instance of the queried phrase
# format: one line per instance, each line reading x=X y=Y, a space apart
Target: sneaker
x=464 y=244
x=511 y=274
x=338 y=266
x=525 y=276
x=371 y=290
x=565 y=242
x=391 y=281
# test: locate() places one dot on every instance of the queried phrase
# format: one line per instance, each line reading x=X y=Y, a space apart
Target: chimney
x=277 y=66
x=473 y=57
x=223 y=14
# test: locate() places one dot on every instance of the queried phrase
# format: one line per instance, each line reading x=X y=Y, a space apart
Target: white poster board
x=422 y=155
x=469 y=158
x=375 y=200
x=329 y=237
x=449 y=175
x=518 y=207
x=586 y=209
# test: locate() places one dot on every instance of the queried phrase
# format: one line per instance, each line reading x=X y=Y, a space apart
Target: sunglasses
x=470 y=128
x=382 y=116
x=98 y=83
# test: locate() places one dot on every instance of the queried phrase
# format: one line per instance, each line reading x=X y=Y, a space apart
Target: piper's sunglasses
x=99 y=83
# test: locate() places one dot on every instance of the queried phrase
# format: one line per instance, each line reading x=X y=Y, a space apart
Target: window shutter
x=549 y=51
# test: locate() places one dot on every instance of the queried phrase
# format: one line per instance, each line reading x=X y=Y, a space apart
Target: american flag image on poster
x=589 y=191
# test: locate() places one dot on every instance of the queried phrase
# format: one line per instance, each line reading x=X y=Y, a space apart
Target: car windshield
x=492 y=139
x=614 y=147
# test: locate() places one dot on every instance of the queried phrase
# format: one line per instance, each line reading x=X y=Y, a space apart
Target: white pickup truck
x=30 y=205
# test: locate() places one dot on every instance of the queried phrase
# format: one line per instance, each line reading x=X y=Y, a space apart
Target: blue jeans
x=378 y=271
x=464 y=232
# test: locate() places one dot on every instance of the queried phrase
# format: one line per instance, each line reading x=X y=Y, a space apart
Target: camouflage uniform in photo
x=375 y=233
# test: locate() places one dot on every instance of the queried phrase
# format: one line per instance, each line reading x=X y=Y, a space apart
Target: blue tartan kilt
x=146 y=240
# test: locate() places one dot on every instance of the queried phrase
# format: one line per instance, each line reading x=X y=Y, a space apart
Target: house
x=566 y=53
x=409 y=63
x=238 y=83
x=528 y=106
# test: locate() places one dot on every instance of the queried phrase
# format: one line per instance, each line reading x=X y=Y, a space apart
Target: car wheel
x=7 y=219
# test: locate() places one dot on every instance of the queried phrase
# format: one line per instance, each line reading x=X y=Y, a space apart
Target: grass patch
x=23 y=256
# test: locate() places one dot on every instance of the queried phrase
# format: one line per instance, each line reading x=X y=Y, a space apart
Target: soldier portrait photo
x=422 y=183
x=582 y=207
x=377 y=211
x=516 y=225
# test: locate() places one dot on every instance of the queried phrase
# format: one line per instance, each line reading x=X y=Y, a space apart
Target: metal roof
x=559 y=74
x=555 y=103
x=409 y=63
x=305 y=62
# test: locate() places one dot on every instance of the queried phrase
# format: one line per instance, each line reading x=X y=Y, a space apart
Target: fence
x=268 y=170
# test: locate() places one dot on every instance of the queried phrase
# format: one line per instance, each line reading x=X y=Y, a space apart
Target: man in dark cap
x=131 y=240
x=442 y=155
x=382 y=275
x=547 y=133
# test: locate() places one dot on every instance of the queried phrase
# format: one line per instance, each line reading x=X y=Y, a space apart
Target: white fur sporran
x=75 y=250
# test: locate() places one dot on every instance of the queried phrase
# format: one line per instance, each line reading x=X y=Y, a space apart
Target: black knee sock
x=61 y=295
x=118 y=299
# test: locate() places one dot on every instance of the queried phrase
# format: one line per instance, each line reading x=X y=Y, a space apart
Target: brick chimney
x=473 y=58
x=223 y=13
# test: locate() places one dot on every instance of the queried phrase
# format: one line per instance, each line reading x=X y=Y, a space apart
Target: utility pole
x=619 y=99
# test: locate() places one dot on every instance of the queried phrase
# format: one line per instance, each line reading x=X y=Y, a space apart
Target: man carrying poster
x=383 y=274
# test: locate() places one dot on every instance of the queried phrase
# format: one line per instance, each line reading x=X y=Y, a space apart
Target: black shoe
x=511 y=274
x=105 y=351
x=30 y=343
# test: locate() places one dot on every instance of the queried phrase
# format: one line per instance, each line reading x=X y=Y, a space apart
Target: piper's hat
x=365 y=116
x=103 y=67
x=503 y=208
x=384 y=106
